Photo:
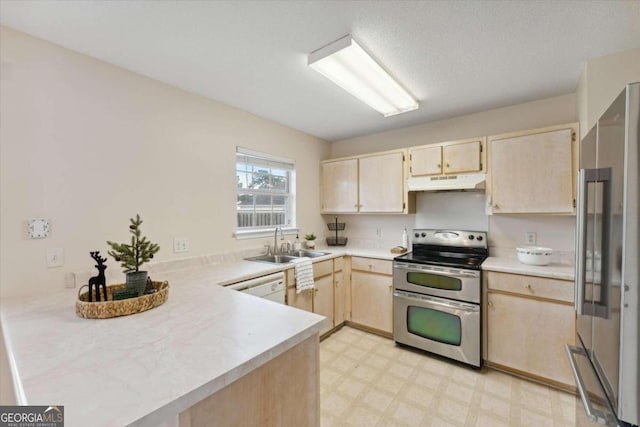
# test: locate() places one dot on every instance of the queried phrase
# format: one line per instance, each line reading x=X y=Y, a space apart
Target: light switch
x=38 y=228
x=55 y=257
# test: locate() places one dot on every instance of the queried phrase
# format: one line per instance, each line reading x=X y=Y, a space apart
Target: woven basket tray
x=125 y=307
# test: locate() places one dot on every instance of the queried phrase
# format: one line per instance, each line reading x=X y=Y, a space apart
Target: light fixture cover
x=348 y=65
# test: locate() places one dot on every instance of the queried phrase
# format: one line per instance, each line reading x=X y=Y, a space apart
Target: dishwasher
x=270 y=287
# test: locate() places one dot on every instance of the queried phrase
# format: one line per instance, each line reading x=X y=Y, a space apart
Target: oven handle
x=435 y=271
x=471 y=308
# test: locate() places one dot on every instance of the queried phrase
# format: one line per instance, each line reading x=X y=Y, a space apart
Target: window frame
x=275 y=162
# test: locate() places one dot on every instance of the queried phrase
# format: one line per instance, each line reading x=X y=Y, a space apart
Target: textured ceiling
x=456 y=57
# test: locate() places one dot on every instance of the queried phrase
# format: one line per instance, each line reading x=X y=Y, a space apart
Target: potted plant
x=311 y=240
x=132 y=256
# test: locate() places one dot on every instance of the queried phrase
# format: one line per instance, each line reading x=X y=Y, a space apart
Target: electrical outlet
x=55 y=257
x=180 y=244
x=530 y=237
x=70 y=280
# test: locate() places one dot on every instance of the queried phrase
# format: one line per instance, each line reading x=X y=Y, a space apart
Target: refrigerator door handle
x=581 y=237
x=592 y=414
x=605 y=176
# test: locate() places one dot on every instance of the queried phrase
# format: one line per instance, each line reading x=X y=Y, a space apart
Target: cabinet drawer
x=322 y=268
x=338 y=264
x=372 y=265
x=561 y=290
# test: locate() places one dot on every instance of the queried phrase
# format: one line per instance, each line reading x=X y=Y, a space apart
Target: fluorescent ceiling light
x=346 y=63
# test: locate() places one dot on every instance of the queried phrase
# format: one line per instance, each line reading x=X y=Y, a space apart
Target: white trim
x=263 y=232
x=264 y=156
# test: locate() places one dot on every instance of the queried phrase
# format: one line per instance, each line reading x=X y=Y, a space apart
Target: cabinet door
x=532 y=173
x=323 y=300
x=530 y=336
x=372 y=300
x=339 y=298
x=382 y=183
x=303 y=300
x=340 y=186
x=462 y=158
x=426 y=161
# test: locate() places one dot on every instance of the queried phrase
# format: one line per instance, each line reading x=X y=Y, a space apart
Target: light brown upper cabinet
x=533 y=171
x=373 y=183
x=382 y=182
x=454 y=157
x=426 y=160
x=340 y=186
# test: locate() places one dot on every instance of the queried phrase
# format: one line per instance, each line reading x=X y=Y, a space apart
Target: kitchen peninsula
x=206 y=346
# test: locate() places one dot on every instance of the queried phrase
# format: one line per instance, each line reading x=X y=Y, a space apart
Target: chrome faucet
x=275 y=240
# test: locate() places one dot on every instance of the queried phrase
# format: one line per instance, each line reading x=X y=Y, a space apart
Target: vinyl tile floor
x=367 y=380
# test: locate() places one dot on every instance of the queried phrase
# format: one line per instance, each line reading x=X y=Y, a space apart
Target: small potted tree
x=310 y=240
x=132 y=256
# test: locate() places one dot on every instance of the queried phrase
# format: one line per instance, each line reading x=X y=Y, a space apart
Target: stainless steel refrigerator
x=605 y=358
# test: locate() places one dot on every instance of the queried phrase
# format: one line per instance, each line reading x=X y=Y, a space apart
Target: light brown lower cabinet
x=323 y=301
x=340 y=293
x=327 y=299
x=285 y=391
x=372 y=294
x=529 y=320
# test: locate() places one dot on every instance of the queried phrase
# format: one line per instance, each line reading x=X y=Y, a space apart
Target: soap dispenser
x=297 y=246
x=405 y=239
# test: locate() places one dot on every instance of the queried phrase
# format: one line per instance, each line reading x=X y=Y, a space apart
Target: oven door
x=448 y=328
x=462 y=285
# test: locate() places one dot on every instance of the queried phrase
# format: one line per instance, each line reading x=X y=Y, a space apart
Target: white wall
x=602 y=80
x=452 y=210
x=88 y=145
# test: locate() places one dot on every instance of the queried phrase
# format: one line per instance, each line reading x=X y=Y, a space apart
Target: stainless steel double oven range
x=437 y=289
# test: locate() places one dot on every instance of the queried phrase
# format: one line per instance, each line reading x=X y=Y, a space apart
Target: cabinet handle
x=438 y=165
x=355 y=206
x=490 y=304
x=495 y=206
x=528 y=286
x=447 y=164
x=391 y=286
x=315 y=290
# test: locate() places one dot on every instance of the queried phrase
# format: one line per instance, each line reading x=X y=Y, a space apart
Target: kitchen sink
x=288 y=257
x=308 y=254
x=273 y=259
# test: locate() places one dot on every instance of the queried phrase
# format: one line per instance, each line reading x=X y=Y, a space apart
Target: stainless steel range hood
x=471 y=181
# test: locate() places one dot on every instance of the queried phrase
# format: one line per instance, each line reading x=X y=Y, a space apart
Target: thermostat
x=38 y=228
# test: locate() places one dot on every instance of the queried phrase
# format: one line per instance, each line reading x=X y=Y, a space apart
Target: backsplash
x=373 y=231
x=115 y=274
x=553 y=231
x=451 y=210
x=462 y=210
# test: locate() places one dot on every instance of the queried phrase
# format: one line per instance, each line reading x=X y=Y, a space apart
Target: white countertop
x=358 y=251
x=142 y=369
x=512 y=265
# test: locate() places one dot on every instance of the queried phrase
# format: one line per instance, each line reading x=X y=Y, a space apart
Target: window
x=265 y=191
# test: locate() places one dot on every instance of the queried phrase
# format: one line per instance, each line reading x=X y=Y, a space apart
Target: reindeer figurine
x=98 y=280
